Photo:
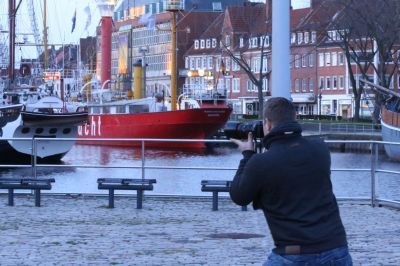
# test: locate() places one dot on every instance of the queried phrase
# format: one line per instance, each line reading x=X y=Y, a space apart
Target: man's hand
x=245 y=145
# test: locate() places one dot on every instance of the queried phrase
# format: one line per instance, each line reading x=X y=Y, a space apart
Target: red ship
x=150 y=118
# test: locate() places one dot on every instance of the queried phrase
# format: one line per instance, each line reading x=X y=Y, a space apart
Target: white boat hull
x=391 y=134
x=45 y=149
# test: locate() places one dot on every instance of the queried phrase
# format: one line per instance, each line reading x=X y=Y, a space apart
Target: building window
x=208 y=43
x=250 y=86
x=334 y=59
x=328 y=83
x=304 y=85
x=334 y=83
x=327 y=59
x=214 y=43
x=297 y=85
x=311 y=60
x=228 y=40
x=341 y=59
x=210 y=62
x=320 y=59
x=321 y=83
x=313 y=37
x=296 y=61
x=204 y=65
x=293 y=39
x=227 y=64
x=228 y=84
x=202 y=44
x=217 y=6
x=265 y=65
x=198 y=62
x=196 y=44
x=236 y=85
x=311 y=84
x=303 y=60
x=241 y=43
x=186 y=62
x=341 y=83
x=265 y=84
x=306 y=37
x=253 y=42
x=299 y=38
x=266 y=41
x=192 y=64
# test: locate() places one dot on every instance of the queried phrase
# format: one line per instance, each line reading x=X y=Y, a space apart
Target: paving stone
x=167 y=231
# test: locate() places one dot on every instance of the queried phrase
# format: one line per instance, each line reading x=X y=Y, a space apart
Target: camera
x=240 y=130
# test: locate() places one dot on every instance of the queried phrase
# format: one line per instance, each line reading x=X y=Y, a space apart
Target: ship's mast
x=173 y=6
x=11 y=65
x=45 y=36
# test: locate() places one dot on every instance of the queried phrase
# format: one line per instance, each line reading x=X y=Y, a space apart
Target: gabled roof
x=320 y=16
x=298 y=16
x=212 y=32
x=250 y=19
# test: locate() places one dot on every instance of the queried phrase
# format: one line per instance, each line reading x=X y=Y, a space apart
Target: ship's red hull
x=183 y=124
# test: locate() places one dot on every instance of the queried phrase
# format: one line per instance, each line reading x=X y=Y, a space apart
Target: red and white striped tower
x=106 y=8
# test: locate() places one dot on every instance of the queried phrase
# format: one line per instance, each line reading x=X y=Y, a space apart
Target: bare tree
x=257 y=77
x=364 y=30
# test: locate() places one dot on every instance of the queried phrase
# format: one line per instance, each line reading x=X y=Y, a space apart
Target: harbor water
x=83 y=165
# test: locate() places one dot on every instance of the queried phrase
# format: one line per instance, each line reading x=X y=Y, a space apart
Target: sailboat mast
x=11 y=15
x=45 y=36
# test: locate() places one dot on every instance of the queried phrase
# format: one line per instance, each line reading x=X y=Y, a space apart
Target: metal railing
x=373 y=169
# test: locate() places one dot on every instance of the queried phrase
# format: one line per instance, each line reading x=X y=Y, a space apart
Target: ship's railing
x=373 y=170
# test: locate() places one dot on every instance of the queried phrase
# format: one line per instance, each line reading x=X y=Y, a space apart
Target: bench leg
x=11 y=197
x=111 y=198
x=139 y=199
x=37 y=197
x=215 y=201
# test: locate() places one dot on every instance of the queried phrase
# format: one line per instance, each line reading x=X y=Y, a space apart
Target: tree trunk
x=357 y=101
x=260 y=100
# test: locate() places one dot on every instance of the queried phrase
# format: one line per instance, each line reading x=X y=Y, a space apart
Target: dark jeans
x=333 y=257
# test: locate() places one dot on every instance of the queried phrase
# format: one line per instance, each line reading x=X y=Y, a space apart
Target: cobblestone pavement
x=167 y=231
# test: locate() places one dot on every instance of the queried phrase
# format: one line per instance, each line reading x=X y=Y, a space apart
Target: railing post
x=143 y=159
x=374 y=157
x=319 y=128
x=34 y=158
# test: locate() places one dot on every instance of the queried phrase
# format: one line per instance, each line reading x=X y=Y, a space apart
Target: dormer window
x=196 y=44
x=299 y=38
x=306 y=37
x=214 y=43
x=313 y=37
x=253 y=42
x=241 y=42
x=293 y=39
x=266 y=41
x=208 y=43
x=202 y=44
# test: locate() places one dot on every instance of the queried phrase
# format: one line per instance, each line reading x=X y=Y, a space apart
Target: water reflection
x=187 y=182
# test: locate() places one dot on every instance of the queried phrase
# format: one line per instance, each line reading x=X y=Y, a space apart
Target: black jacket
x=291 y=183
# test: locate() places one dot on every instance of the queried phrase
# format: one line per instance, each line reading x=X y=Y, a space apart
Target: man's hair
x=278 y=110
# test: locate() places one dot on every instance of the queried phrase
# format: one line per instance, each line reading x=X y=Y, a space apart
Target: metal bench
x=216 y=186
x=140 y=185
x=34 y=184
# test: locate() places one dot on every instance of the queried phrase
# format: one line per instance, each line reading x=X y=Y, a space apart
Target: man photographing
x=291 y=183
